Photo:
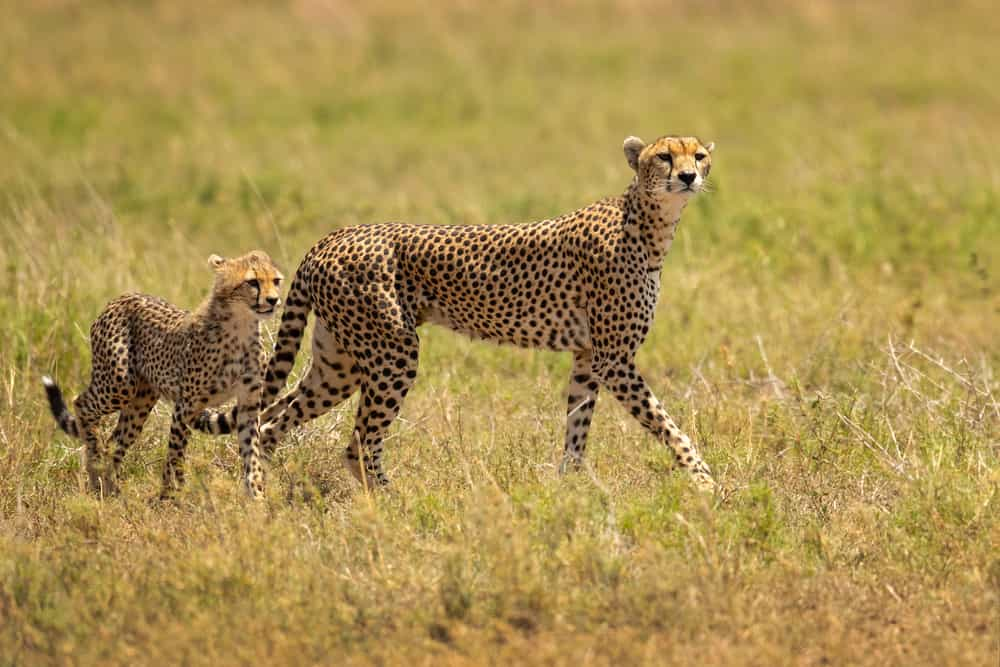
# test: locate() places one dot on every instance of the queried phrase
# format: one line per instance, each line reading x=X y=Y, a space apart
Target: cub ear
x=633 y=146
x=710 y=146
x=215 y=262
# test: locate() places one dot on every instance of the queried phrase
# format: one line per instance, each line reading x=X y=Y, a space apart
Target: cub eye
x=700 y=156
x=254 y=283
x=277 y=281
x=666 y=157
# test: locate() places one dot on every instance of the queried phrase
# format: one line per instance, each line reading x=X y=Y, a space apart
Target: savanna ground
x=827 y=331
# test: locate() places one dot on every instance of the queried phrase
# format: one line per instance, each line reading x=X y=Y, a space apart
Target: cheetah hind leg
x=331 y=380
x=383 y=390
x=352 y=458
x=131 y=419
x=89 y=410
x=352 y=461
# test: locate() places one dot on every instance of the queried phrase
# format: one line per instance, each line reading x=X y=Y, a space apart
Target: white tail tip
x=47 y=381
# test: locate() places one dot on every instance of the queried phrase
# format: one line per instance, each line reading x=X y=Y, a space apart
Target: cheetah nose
x=273 y=300
x=687 y=176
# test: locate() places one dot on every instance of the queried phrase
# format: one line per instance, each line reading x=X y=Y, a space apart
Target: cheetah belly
x=513 y=288
x=556 y=330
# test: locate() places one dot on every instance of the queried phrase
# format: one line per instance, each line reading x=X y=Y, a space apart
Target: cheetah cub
x=144 y=348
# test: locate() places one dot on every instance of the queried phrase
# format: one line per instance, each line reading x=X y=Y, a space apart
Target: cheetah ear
x=633 y=146
x=710 y=146
x=215 y=262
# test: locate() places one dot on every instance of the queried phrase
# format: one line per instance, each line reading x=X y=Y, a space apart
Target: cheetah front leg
x=131 y=419
x=248 y=402
x=331 y=379
x=582 y=396
x=624 y=381
x=173 y=470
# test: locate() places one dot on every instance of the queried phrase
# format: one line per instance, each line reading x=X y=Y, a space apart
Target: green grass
x=827 y=332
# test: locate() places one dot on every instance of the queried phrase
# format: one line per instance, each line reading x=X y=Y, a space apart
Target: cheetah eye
x=666 y=157
x=277 y=281
x=253 y=283
x=700 y=156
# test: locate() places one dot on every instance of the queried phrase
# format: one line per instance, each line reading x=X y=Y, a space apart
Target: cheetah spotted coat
x=144 y=348
x=585 y=282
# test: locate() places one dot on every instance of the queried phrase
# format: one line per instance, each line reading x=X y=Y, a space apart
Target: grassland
x=827 y=331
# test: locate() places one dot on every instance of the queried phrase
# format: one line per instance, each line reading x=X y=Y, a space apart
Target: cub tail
x=67 y=422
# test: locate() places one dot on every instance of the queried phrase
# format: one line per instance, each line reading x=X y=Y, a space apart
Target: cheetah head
x=670 y=166
x=251 y=281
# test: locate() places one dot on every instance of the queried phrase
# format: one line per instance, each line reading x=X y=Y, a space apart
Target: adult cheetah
x=144 y=348
x=585 y=282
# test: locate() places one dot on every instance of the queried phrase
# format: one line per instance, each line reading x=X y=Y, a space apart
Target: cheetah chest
x=651 y=291
x=560 y=325
x=650 y=295
x=230 y=372
x=218 y=381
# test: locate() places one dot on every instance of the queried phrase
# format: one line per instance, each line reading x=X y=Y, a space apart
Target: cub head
x=252 y=281
x=670 y=166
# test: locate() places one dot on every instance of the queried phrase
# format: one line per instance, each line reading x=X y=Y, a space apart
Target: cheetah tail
x=293 y=326
x=63 y=416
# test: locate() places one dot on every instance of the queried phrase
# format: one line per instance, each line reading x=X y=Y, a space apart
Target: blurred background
x=855 y=139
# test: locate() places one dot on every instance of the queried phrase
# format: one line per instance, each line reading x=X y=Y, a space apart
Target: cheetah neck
x=218 y=313
x=654 y=220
